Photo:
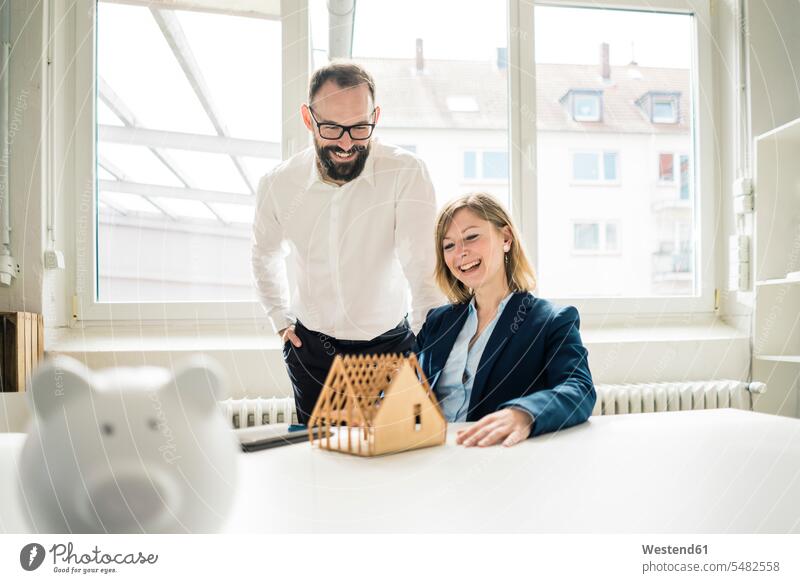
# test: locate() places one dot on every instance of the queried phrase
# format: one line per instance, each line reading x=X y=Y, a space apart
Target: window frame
x=601 y=168
x=521 y=152
x=602 y=238
x=673 y=100
x=479 y=175
x=86 y=309
x=522 y=135
x=597 y=94
x=663 y=181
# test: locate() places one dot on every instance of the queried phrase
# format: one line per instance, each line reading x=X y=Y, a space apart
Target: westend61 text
x=670 y=550
x=95 y=556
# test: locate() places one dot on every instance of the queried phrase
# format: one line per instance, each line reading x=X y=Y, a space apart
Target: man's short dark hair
x=344 y=74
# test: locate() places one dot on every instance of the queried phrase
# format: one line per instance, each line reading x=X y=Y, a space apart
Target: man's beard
x=341 y=171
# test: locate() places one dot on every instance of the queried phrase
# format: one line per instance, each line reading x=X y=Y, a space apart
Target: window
x=586 y=106
x=686 y=178
x=665 y=110
x=594 y=167
x=441 y=87
x=488 y=166
x=187 y=208
x=666 y=170
x=594 y=238
x=181 y=146
x=636 y=124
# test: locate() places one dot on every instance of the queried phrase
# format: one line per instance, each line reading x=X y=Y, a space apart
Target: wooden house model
x=378 y=404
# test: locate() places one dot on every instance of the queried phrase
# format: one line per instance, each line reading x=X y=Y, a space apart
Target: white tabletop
x=720 y=471
x=695 y=471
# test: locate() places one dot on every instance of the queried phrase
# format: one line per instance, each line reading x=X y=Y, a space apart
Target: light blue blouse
x=454 y=387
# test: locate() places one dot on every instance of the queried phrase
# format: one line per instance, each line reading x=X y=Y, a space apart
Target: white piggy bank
x=127 y=450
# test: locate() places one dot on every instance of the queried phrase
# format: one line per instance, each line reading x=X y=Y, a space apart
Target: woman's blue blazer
x=534 y=360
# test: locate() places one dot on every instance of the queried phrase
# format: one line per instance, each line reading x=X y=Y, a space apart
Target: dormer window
x=584 y=104
x=660 y=107
x=665 y=110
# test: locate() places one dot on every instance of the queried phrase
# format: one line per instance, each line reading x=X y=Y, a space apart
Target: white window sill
x=633 y=349
x=595 y=329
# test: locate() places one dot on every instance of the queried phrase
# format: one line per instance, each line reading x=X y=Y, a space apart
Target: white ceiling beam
x=173 y=32
x=189 y=142
x=117 y=173
x=124 y=113
x=157 y=190
x=266 y=9
x=111 y=168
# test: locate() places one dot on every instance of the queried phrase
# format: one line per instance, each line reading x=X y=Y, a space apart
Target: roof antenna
x=633 y=55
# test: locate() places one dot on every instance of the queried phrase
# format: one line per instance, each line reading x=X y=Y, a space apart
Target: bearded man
x=343 y=253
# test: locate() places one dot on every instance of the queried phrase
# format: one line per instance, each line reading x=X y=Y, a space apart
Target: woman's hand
x=507 y=426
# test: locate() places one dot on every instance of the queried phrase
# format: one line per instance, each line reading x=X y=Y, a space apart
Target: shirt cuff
x=280 y=321
x=519 y=407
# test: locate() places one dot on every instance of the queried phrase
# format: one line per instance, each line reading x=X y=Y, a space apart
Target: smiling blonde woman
x=498 y=355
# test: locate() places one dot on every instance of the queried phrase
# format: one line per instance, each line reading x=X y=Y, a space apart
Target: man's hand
x=507 y=426
x=287 y=334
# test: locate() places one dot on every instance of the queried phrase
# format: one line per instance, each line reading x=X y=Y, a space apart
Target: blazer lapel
x=512 y=318
x=453 y=322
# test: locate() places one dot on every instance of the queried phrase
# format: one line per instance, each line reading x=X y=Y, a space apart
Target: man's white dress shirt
x=349 y=261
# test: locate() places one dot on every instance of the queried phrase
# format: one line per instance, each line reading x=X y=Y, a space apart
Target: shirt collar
x=500 y=307
x=368 y=173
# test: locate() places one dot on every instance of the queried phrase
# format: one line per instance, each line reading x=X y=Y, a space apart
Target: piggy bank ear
x=57 y=381
x=199 y=383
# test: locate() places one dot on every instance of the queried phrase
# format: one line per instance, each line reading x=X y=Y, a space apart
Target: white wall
x=26 y=189
x=774 y=93
x=774 y=27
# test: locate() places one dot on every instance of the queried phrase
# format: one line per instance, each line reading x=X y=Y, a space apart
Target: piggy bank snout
x=129 y=500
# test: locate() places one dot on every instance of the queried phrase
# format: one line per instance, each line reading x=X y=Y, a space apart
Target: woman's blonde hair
x=519 y=273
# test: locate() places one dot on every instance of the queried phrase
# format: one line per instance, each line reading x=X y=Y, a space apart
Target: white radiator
x=611 y=400
x=677 y=396
x=242 y=413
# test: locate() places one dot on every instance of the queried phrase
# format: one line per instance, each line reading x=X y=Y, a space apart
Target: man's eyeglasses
x=334 y=131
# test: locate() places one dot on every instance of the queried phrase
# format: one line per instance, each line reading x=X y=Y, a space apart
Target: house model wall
x=373 y=405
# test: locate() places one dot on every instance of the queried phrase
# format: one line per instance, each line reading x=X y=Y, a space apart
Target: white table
x=720 y=471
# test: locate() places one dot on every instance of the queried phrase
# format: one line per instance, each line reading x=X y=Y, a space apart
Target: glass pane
x=210 y=171
x=128 y=203
x=587 y=236
x=587 y=107
x=234 y=213
x=452 y=97
x=469 y=165
x=154 y=244
x=584 y=166
x=611 y=237
x=248 y=101
x=685 y=177
x=158 y=94
x=568 y=48
x=610 y=165
x=181 y=208
x=495 y=165
x=137 y=164
x=666 y=172
x=663 y=110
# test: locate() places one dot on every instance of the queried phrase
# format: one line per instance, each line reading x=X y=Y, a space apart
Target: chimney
x=605 y=67
x=420 y=57
x=502 y=58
